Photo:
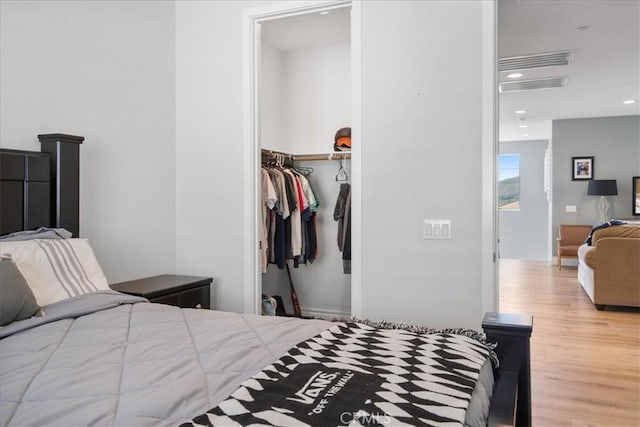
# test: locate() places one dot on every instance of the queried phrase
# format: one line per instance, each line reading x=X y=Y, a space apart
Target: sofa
x=609 y=268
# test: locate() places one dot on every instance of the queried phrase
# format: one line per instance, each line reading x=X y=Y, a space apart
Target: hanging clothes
x=342 y=214
x=296 y=226
x=288 y=226
x=346 y=252
x=310 y=241
x=269 y=199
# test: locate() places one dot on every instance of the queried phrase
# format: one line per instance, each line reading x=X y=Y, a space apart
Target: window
x=509 y=182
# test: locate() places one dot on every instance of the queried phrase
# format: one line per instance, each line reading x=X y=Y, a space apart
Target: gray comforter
x=108 y=359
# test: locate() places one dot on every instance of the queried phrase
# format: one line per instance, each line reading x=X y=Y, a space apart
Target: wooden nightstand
x=181 y=291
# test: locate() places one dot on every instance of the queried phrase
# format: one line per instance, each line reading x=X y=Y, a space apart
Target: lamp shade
x=602 y=187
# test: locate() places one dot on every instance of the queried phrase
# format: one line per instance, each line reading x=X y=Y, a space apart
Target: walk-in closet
x=304 y=98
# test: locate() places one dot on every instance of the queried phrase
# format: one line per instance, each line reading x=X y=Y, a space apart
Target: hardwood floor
x=585 y=364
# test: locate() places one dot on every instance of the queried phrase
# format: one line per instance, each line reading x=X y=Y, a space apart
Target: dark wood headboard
x=41 y=189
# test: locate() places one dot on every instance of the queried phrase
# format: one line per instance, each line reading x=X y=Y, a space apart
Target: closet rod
x=337 y=155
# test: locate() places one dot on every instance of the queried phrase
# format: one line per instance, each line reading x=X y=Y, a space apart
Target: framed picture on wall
x=581 y=168
x=636 y=195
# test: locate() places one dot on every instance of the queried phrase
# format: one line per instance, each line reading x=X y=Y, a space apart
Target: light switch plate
x=436 y=229
x=570 y=208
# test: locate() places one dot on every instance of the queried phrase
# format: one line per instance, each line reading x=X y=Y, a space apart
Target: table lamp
x=602 y=188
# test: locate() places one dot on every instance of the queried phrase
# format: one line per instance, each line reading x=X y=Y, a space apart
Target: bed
x=98 y=357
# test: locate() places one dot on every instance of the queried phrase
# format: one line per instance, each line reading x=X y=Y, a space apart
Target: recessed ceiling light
x=514 y=75
x=520 y=111
x=583 y=28
x=326 y=12
x=629 y=101
x=524 y=126
x=525 y=134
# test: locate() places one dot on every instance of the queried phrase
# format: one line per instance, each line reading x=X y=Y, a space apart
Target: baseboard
x=320 y=313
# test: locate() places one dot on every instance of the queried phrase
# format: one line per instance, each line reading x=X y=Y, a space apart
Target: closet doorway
x=302 y=83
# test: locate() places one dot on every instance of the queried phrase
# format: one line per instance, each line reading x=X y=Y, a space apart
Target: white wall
x=209 y=145
x=103 y=70
x=305 y=97
x=422 y=71
x=524 y=233
x=317 y=97
x=271 y=99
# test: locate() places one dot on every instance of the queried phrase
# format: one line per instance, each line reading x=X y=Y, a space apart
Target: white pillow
x=57 y=269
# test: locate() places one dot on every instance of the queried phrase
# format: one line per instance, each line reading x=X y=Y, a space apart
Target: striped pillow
x=57 y=269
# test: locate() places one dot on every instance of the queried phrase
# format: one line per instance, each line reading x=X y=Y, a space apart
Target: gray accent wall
x=524 y=233
x=615 y=144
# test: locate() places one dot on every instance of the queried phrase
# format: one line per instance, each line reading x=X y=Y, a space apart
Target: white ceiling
x=605 y=70
x=309 y=30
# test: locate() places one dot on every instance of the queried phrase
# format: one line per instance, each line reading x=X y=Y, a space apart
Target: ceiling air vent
x=544 y=83
x=538 y=60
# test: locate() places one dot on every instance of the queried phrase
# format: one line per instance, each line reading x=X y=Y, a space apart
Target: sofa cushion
x=631 y=231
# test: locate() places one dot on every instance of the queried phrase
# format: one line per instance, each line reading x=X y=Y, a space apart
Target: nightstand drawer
x=195 y=298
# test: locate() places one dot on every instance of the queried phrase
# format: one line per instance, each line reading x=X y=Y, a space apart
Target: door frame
x=490 y=258
x=251 y=141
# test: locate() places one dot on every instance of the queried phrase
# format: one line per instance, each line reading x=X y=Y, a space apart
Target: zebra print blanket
x=356 y=374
